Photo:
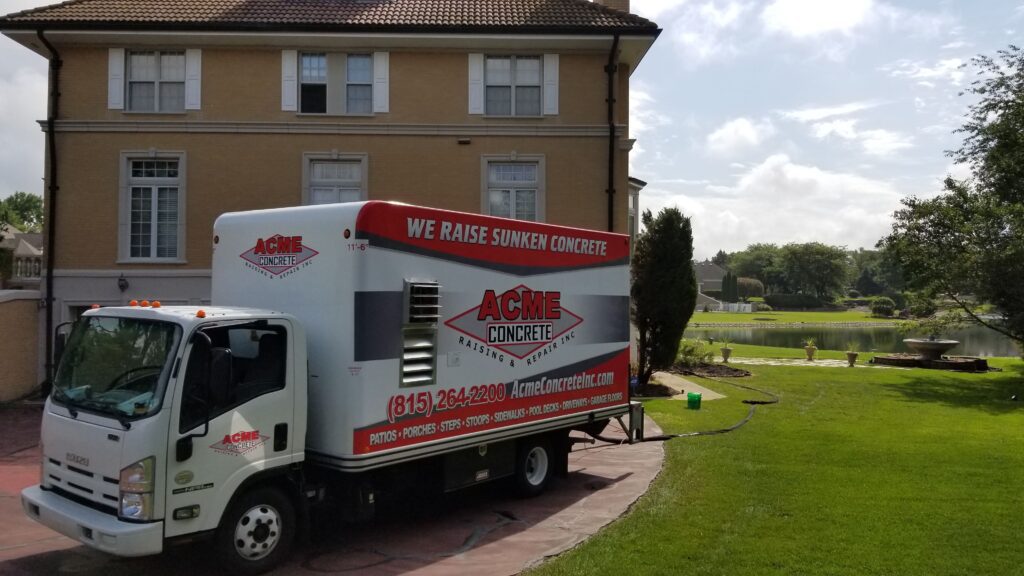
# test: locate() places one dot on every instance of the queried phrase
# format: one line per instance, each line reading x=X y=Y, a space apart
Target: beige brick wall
x=19 y=344
x=245 y=85
x=231 y=172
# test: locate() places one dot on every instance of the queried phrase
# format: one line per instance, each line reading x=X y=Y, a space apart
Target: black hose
x=750 y=414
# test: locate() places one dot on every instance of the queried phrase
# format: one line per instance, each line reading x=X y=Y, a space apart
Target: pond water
x=974 y=341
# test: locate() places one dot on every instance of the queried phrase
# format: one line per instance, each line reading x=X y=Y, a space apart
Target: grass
x=839 y=317
x=854 y=472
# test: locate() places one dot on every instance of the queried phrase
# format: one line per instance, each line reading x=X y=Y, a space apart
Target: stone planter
x=851 y=357
x=726 y=352
x=810 y=352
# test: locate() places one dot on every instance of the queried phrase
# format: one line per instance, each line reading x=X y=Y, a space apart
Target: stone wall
x=19 y=343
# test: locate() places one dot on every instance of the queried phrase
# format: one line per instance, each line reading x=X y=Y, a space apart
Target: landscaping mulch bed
x=653 y=390
x=711 y=371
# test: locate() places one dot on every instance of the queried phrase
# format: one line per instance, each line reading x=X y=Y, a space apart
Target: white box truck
x=349 y=350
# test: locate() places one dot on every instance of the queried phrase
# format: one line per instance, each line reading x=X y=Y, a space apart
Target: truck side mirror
x=60 y=340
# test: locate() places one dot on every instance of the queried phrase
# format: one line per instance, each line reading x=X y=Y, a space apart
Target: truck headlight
x=136 y=485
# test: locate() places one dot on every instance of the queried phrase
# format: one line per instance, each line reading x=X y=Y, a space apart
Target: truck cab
x=162 y=419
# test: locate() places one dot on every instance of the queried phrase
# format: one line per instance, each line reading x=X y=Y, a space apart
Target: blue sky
x=764 y=120
x=801 y=120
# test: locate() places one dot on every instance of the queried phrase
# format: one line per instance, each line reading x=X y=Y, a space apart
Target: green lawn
x=855 y=472
x=843 y=316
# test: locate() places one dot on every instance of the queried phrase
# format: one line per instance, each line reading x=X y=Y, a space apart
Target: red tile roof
x=501 y=16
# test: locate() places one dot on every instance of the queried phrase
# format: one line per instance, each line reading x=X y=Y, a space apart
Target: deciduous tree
x=967 y=244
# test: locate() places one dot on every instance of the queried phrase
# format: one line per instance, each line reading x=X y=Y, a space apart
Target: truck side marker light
x=201 y=314
x=133 y=303
x=144 y=303
x=156 y=304
x=216 y=239
x=347 y=233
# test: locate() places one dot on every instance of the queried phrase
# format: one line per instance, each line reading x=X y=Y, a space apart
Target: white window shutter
x=381 y=99
x=551 y=84
x=476 y=83
x=289 y=80
x=193 y=79
x=115 y=79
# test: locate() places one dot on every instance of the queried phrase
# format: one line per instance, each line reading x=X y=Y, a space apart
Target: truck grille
x=419 y=334
x=85 y=487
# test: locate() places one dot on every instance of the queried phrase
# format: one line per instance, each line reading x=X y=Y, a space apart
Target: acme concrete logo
x=518 y=321
x=278 y=254
x=240 y=442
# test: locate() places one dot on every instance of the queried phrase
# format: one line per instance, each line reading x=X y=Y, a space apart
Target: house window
x=359 y=84
x=334 y=178
x=513 y=85
x=512 y=190
x=152 y=206
x=156 y=81
x=313 y=88
x=154 y=209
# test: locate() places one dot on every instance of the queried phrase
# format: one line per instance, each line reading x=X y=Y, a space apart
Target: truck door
x=247 y=405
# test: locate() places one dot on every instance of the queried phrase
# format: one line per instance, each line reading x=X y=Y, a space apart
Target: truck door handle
x=280 y=437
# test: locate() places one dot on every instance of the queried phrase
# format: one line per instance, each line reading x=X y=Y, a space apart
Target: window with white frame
x=336 y=180
x=512 y=190
x=334 y=83
x=156 y=81
x=359 y=84
x=154 y=207
x=313 y=83
x=513 y=85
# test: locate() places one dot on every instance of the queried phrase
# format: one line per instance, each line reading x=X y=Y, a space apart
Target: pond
x=974 y=340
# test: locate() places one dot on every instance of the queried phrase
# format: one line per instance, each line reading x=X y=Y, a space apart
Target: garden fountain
x=929 y=354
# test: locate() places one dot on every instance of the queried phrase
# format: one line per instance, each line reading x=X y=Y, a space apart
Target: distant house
x=26 y=251
x=709 y=276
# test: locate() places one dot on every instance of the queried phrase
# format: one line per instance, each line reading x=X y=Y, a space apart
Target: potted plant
x=851 y=352
x=726 y=350
x=810 y=348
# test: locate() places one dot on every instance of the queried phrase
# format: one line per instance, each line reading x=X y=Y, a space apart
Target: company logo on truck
x=278 y=256
x=518 y=321
x=240 y=442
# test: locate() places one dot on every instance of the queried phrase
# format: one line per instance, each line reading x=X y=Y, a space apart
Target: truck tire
x=257 y=532
x=535 y=464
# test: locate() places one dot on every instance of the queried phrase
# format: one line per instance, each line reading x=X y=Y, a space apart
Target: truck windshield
x=116 y=366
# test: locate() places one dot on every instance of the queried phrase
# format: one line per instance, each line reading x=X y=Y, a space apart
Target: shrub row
x=790 y=301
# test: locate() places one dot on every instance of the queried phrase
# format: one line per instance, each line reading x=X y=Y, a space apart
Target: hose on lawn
x=753 y=404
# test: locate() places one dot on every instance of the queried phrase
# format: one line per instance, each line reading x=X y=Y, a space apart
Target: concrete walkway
x=479 y=531
x=682 y=386
x=818 y=363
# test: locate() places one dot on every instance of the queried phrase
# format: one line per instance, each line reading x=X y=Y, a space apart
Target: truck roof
x=183 y=314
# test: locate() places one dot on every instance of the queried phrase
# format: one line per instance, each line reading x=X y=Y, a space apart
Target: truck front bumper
x=92 y=527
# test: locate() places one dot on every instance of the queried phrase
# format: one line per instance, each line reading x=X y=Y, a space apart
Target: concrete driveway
x=478 y=531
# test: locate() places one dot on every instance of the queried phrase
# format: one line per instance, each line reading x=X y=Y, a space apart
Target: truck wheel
x=257 y=532
x=534 y=466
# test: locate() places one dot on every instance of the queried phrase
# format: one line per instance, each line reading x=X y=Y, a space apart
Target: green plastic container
x=693 y=400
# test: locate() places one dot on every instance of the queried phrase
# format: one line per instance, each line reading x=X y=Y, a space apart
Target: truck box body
x=531 y=332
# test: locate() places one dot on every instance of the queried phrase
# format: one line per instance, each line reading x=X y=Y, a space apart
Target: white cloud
x=643 y=118
x=810 y=18
x=949 y=69
x=738 y=135
x=884 y=142
x=652 y=9
x=876 y=142
x=23 y=101
x=821 y=113
x=781 y=201
x=841 y=128
x=956 y=44
x=708 y=30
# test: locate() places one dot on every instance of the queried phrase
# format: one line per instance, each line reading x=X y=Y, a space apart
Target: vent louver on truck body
x=419 y=333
